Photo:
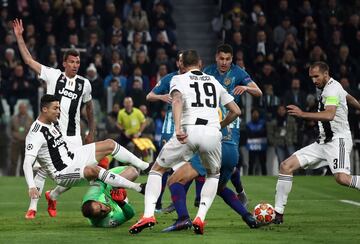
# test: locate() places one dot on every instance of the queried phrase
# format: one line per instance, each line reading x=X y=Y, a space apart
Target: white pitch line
x=351 y=202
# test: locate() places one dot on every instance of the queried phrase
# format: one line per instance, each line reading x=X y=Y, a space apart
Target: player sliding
x=195 y=100
x=66 y=167
x=334 y=144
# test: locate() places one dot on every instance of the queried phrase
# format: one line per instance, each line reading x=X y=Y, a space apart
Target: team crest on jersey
x=79 y=87
x=29 y=146
x=227 y=81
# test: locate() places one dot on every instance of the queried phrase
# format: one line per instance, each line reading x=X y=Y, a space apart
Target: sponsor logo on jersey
x=227 y=81
x=57 y=142
x=69 y=94
x=29 y=146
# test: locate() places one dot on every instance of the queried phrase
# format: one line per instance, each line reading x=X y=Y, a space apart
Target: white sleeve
x=175 y=84
x=87 y=94
x=33 y=143
x=225 y=97
x=332 y=95
x=49 y=75
x=28 y=172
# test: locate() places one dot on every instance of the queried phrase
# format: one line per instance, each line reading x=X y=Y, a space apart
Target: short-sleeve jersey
x=235 y=76
x=162 y=88
x=227 y=132
x=334 y=94
x=100 y=192
x=46 y=143
x=71 y=92
x=202 y=94
x=131 y=122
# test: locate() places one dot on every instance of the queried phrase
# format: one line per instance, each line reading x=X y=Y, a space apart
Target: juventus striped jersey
x=46 y=143
x=334 y=94
x=202 y=94
x=71 y=92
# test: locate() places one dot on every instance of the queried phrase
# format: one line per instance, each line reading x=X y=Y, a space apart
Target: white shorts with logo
x=74 y=172
x=335 y=154
x=203 y=139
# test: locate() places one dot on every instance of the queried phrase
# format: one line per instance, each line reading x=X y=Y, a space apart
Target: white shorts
x=203 y=139
x=335 y=154
x=74 y=172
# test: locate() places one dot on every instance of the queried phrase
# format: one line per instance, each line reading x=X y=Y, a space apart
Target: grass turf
x=314 y=214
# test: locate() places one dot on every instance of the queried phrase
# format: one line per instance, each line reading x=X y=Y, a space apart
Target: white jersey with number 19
x=202 y=95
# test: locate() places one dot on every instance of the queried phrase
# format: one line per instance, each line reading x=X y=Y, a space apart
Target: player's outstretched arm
x=177 y=103
x=251 y=88
x=29 y=176
x=352 y=102
x=25 y=54
x=327 y=115
x=152 y=97
x=234 y=112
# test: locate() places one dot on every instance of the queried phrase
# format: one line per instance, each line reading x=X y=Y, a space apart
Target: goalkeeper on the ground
x=106 y=206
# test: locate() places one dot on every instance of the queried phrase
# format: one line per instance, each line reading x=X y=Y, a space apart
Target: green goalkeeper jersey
x=100 y=192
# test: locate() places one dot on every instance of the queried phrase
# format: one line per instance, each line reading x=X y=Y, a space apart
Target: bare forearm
x=352 y=102
x=230 y=117
x=25 y=54
x=152 y=97
x=254 y=91
x=177 y=110
x=90 y=116
x=318 y=116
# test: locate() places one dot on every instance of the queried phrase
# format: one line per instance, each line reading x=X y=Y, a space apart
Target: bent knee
x=342 y=179
x=91 y=172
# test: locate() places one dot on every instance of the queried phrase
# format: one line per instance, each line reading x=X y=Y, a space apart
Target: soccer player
x=72 y=90
x=195 y=102
x=236 y=81
x=161 y=93
x=64 y=165
x=334 y=144
x=106 y=206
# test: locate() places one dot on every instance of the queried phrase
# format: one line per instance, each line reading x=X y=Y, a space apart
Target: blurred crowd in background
x=128 y=46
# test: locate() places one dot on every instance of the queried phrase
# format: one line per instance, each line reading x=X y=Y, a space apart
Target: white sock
x=57 y=191
x=283 y=188
x=152 y=192
x=117 y=181
x=355 y=182
x=208 y=193
x=39 y=180
x=123 y=155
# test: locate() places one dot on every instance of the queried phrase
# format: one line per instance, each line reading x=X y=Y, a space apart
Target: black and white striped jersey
x=71 y=92
x=46 y=143
x=202 y=95
x=334 y=94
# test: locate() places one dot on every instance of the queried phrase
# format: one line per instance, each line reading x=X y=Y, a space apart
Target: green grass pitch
x=314 y=214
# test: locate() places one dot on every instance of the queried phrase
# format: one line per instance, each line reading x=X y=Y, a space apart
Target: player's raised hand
x=294 y=111
x=18 y=27
x=238 y=90
x=181 y=136
x=166 y=98
x=34 y=193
